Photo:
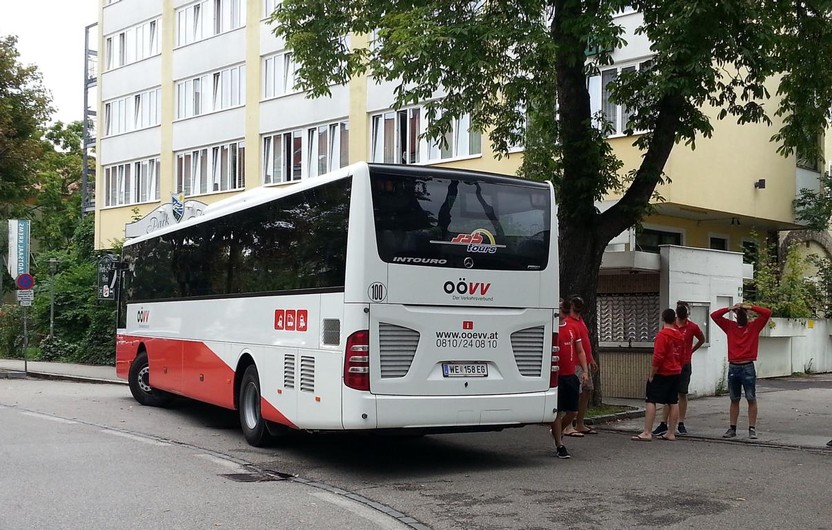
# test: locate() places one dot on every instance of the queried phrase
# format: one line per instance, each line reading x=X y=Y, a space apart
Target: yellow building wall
x=718 y=176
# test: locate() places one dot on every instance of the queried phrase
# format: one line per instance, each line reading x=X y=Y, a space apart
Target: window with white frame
x=132 y=44
x=207 y=18
x=269 y=7
x=278 y=75
x=302 y=153
x=134 y=112
x=395 y=137
x=132 y=182
x=600 y=96
x=211 y=169
x=211 y=92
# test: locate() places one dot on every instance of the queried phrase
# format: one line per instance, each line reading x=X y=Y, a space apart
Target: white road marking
x=378 y=518
x=47 y=417
x=224 y=462
x=142 y=439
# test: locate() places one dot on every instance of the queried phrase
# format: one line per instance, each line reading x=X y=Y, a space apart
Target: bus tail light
x=553 y=377
x=357 y=361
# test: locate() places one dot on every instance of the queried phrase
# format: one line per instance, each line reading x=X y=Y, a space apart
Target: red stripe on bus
x=269 y=412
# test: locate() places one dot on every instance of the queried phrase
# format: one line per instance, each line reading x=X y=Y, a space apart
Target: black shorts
x=684 y=379
x=569 y=390
x=663 y=389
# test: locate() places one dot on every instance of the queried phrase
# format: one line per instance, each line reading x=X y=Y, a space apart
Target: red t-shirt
x=567 y=337
x=690 y=330
x=583 y=333
x=743 y=341
x=667 y=352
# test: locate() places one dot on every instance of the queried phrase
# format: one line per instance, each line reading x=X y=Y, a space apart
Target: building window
x=396 y=138
x=648 y=240
x=207 y=18
x=750 y=251
x=132 y=182
x=600 y=98
x=279 y=75
x=132 y=44
x=718 y=243
x=270 y=6
x=132 y=113
x=298 y=154
x=211 y=92
x=211 y=169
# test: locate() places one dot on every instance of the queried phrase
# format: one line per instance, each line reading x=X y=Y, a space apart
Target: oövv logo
x=464 y=287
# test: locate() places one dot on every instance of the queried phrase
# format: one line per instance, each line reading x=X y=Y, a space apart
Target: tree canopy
x=520 y=68
x=24 y=109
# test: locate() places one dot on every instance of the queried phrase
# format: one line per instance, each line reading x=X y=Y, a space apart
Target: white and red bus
x=376 y=297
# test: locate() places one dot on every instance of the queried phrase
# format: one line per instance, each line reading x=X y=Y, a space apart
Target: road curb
x=618 y=416
x=77 y=378
x=12 y=374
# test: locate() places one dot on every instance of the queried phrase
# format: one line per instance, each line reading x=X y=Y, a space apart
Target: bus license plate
x=465 y=369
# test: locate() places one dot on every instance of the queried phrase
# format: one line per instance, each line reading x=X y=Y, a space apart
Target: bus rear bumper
x=459 y=412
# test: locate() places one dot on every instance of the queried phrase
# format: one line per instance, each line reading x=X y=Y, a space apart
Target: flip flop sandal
x=640 y=439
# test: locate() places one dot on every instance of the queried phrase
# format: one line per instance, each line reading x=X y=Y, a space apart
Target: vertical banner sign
x=18 y=247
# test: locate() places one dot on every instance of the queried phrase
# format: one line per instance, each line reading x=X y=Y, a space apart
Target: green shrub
x=11 y=331
x=55 y=349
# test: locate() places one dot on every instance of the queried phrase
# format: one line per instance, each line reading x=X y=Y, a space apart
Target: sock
x=733 y=427
x=752 y=427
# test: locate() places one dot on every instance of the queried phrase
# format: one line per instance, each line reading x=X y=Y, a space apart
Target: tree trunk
x=581 y=250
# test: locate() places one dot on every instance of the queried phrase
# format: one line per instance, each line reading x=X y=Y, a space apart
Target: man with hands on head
x=743 y=343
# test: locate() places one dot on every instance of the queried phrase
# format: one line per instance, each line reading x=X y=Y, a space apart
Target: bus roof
x=248 y=199
x=263 y=194
x=414 y=170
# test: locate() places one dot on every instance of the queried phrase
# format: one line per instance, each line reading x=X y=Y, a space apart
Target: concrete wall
x=795 y=345
x=708 y=279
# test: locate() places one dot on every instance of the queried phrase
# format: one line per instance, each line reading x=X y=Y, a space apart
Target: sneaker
x=680 y=429
x=829 y=443
x=730 y=433
x=752 y=433
x=661 y=429
x=562 y=452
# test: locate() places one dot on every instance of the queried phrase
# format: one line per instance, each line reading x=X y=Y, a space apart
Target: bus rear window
x=455 y=220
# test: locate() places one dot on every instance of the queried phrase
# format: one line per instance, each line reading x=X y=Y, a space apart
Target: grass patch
x=606 y=410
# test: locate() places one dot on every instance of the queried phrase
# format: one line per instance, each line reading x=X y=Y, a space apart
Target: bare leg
x=583 y=404
x=683 y=407
x=734 y=412
x=673 y=419
x=649 y=418
x=752 y=413
x=557 y=429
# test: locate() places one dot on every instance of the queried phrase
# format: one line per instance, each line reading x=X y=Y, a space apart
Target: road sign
x=107 y=277
x=24 y=281
x=25 y=297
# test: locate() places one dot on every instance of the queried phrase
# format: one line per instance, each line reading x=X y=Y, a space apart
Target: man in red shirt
x=663 y=381
x=570 y=353
x=575 y=317
x=690 y=330
x=743 y=343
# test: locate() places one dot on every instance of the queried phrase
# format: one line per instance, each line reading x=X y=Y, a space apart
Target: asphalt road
x=502 y=480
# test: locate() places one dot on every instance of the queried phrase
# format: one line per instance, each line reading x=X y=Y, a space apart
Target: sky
x=51 y=36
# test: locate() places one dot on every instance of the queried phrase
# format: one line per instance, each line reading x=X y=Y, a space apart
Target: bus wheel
x=251 y=420
x=139 y=379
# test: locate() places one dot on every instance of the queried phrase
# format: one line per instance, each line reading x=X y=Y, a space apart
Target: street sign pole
x=25 y=341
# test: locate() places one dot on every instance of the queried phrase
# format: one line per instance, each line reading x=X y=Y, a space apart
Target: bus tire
x=254 y=427
x=139 y=380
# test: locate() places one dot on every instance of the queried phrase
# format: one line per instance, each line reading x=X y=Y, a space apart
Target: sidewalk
x=795 y=412
x=14 y=368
